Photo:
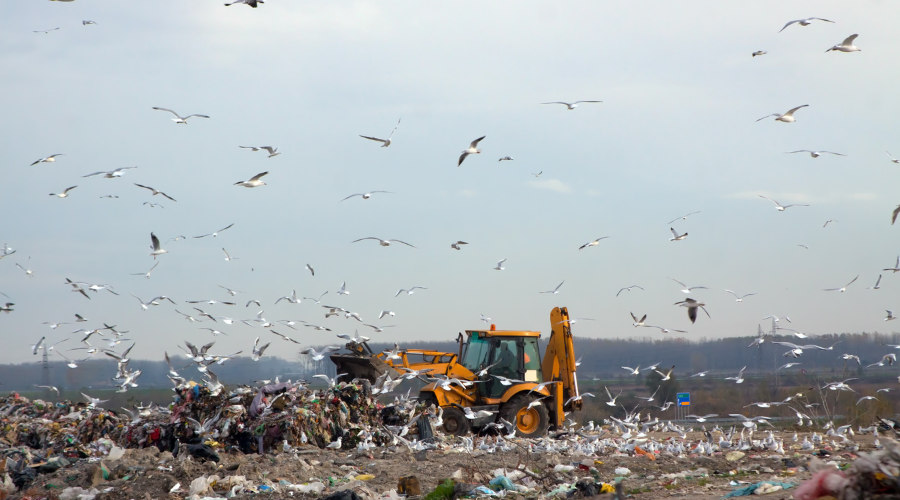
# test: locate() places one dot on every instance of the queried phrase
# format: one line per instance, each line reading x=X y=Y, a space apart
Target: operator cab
x=514 y=355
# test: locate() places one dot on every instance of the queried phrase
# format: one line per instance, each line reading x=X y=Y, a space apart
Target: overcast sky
x=676 y=133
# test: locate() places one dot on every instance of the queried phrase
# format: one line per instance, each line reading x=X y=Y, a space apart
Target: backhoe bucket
x=362 y=367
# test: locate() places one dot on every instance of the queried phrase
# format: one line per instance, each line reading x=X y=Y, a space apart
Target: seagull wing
x=169 y=110
x=788 y=24
x=763 y=118
x=258 y=176
x=576 y=102
x=849 y=40
x=474 y=144
x=405 y=243
x=461 y=158
x=198 y=116
x=792 y=110
x=373 y=138
x=154 y=241
x=558 y=102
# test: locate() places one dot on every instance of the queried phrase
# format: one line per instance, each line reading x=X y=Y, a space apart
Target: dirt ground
x=148 y=474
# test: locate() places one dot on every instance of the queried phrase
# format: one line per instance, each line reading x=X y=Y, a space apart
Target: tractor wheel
x=530 y=422
x=455 y=422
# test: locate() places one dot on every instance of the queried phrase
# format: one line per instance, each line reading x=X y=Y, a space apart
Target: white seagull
x=815 y=154
x=272 y=151
x=592 y=243
x=888 y=153
x=384 y=243
x=52 y=158
x=569 y=105
x=178 y=118
x=846 y=45
x=896 y=267
x=843 y=288
x=787 y=117
x=555 y=290
x=384 y=142
x=684 y=217
x=779 y=206
x=112 y=174
x=365 y=196
x=253 y=181
x=456 y=245
x=877 y=284
x=154 y=191
x=154 y=244
x=687 y=289
x=215 y=234
x=676 y=236
x=147 y=274
x=500 y=265
x=740 y=377
x=65 y=193
x=692 y=306
x=741 y=297
x=628 y=288
x=472 y=150
x=805 y=22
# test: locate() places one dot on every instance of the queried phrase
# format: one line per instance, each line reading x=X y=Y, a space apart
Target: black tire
x=534 y=422
x=455 y=422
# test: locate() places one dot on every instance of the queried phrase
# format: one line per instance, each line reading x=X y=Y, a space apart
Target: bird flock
x=223 y=315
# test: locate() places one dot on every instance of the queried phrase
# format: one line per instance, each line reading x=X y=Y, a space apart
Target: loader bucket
x=362 y=367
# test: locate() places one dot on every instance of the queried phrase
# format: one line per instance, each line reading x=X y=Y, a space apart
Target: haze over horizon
x=676 y=133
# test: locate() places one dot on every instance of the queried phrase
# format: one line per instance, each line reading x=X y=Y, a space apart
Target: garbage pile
x=875 y=473
x=203 y=422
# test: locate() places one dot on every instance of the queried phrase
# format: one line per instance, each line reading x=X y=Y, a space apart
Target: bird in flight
x=779 y=206
x=888 y=153
x=154 y=244
x=555 y=290
x=253 y=181
x=500 y=265
x=815 y=154
x=46 y=31
x=272 y=151
x=676 y=236
x=506 y=158
x=251 y=3
x=688 y=289
x=456 y=245
x=758 y=53
x=692 y=306
x=592 y=243
x=178 y=118
x=846 y=45
x=52 y=159
x=215 y=234
x=112 y=174
x=787 y=117
x=628 y=288
x=569 y=105
x=843 y=288
x=804 y=22
x=472 y=150
x=684 y=217
x=365 y=196
x=384 y=142
x=65 y=193
x=741 y=297
x=384 y=243
x=154 y=191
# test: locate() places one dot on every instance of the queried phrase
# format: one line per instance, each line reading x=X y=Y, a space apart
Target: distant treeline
x=600 y=358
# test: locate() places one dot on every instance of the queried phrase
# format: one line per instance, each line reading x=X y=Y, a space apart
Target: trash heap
x=245 y=419
x=871 y=474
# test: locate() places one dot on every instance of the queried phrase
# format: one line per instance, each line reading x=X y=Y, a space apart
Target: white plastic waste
x=622 y=471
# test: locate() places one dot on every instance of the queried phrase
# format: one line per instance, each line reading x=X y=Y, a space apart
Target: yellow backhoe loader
x=499 y=373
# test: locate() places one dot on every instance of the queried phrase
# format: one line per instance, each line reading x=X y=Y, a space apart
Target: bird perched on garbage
x=336 y=445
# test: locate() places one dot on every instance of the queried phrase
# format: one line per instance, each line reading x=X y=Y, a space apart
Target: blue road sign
x=684 y=398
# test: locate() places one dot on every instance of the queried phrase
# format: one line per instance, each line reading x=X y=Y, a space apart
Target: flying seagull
x=805 y=22
x=676 y=236
x=758 y=53
x=52 y=158
x=364 y=196
x=253 y=181
x=692 y=306
x=456 y=245
x=178 y=118
x=506 y=158
x=628 y=288
x=311 y=270
x=846 y=45
x=779 y=206
x=272 y=151
x=46 y=31
x=888 y=153
x=473 y=149
x=147 y=274
x=215 y=234
x=500 y=265
x=384 y=142
x=741 y=297
x=251 y=3
x=688 y=289
x=894 y=215
x=815 y=154
x=154 y=244
x=684 y=217
x=569 y=105
x=112 y=174
x=896 y=267
x=843 y=288
x=86 y=23
x=592 y=243
x=384 y=243
x=555 y=290
x=877 y=284
x=787 y=117
x=65 y=193
x=154 y=191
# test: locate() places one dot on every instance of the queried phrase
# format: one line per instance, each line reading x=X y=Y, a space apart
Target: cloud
x=551 y=184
